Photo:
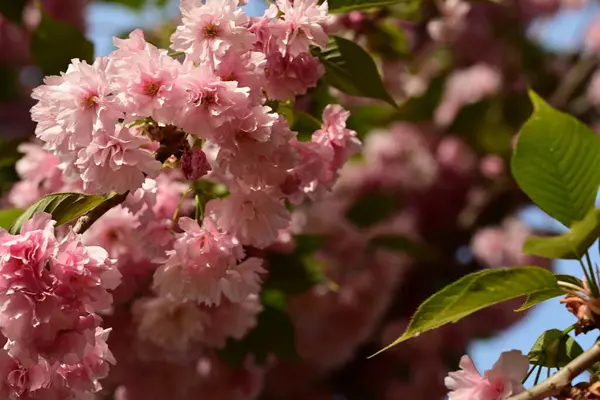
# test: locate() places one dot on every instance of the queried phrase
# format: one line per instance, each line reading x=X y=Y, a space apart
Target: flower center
x=211 y=31
x=152 y=88
x=89 y=101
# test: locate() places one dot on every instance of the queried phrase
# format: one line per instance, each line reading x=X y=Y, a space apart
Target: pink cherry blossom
x=116 y=161
x=501 y=382
x=334 y=134
x=147 y=84
x=254 y=216
x=210 y=102
x=94 y=365
x=133 y=44
x=209 y=29
x=303 y=22
x=203 y=267
x=289 y=76
x=78 y=102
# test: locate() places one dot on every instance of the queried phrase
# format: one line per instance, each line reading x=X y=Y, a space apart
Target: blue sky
x=561 y=33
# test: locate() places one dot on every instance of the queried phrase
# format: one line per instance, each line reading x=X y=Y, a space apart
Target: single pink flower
x=303 y=25
x=116 y=161
x=334 y=134
x=499 y=383
x=254 y=217
x=208 y=29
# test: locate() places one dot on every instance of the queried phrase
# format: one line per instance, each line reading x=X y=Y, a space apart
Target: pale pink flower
x=135 y=43
x=465 y=87
x=312 y=175
x=116 y=161
x=254 y=216
x=19 y=381
x=499 y=383
x=303 y=25
x=115 y=232
x=50 y=290
x=203 y=267
x=335 y=135
x=289 y=76
x=400 y=156
x=451 y=22
x=146 y=84
x=209 y=29
x=455 y=155
x=78 y=101
x=210 y=102
x=40 y=175
x=247 y=69
x=169 y=324
x=231 y=320
x=194 y=164
x=94 y=365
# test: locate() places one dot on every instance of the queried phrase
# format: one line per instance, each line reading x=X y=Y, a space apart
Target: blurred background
x=460 y=78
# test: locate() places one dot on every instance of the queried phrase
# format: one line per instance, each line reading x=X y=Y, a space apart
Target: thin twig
x=562 y=379
x=84 y=222
x=582 y=68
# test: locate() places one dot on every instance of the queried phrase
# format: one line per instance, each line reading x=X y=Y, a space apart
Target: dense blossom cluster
x=144 y=123
x=160 y=126
x=51 y=292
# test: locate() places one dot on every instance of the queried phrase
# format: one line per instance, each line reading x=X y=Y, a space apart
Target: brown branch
x=84 y=222
x=562 y=379
x=574 y=78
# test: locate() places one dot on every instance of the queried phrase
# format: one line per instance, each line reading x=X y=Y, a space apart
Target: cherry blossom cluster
x=156 y=126
x=51 y=292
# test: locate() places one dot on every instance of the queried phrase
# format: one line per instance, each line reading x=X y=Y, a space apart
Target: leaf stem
x=176 y=213
x=533 y=367
x=85 y=221
x=176 y=54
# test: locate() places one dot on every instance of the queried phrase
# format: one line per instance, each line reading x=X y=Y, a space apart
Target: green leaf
x=8 y=216
x=550 y=292
x=305 y=124
x=350 y=69
x=538 y=297
x=571 y=245
x=64 y=207
x=556 y=162
x=54 y=44
x=273 y=334
x=13 y=10
x=554 y=349
x=401 y=244
x=343 y=6
x=371 y=209
x=474 y=292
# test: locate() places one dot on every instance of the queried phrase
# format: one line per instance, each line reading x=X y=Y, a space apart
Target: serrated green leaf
x=344 y=6
x=556 y=162
x=402 y=244
x=13 y=10
x=474 y=292
x=554 y=349
x=55 y=43
x=350 y=69
x=64 y=207
x=8 y=217
x=371 y=209
x=571 y=245
x=540 y=296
